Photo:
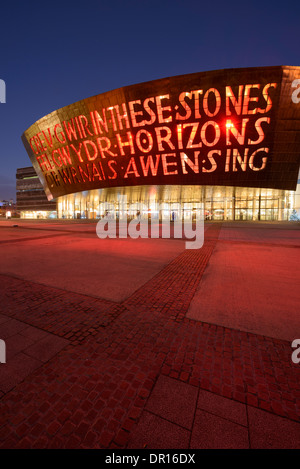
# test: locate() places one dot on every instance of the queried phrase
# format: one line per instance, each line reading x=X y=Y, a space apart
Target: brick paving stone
x=120 y=352
x=57 y=311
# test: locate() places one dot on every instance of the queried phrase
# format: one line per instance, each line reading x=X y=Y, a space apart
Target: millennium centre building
x=228 y=139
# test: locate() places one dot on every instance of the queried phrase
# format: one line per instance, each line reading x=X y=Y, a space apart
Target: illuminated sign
x=238 y=127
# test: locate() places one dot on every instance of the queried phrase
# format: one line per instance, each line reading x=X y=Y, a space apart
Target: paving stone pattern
x=139 y=374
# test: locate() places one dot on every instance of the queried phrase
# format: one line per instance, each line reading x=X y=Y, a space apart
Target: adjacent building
x=8 y=209
x=32 y=201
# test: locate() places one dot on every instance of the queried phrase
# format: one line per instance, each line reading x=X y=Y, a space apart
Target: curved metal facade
x=234 y=127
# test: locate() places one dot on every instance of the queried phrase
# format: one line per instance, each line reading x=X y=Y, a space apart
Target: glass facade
x=31 y=198
x=174 y=201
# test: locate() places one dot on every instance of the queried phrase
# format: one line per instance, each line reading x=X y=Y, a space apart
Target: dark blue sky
x=56 y=53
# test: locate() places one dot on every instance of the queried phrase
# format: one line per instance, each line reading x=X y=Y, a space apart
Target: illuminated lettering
x=185 y=106
x=78 y=152
x=123 y=116
x=64 y=174
x=113 y=120
x=249 y=99
x=65 y=155
x=131 y=164
x=166 y=139
x=49 y=142
x=52 y=178
x=179 y=136
x=98 y=122
x=134 y=113
x=237 y=157
x=166 y=164
x=129 y=137
x=146 y=140
x=94 y=147
x=227 y=162
x=85 y=174
x=42 y=142
x=49 y=162
x=115 y=174
x=263 y=160
x=185 y=160
x=78 y=127
x=59 y=162
x=196 y=93
x=104 y=145
x=43 y=164
x=129 y=143
x=217 y=99
x=267 y=98
x=149 y=165
x=84 y=125
x=236 y=102
x=231 y=130
x=38 y=144
x=59 y=135
x=212 y=161
x=260 y=132
x=161 y=109
x=217 y=132
x=70 y=130
x=36 y=149
x=96 y=174
x=102 y=170
x=74 y=175
x=149 y=111
x=190 y=143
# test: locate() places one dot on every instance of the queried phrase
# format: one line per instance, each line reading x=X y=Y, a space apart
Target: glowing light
x=229 y=124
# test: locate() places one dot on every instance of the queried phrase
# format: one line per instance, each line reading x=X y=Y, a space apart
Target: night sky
x=56 y=53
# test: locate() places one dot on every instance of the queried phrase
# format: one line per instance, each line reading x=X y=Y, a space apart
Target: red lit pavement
x=143 y=344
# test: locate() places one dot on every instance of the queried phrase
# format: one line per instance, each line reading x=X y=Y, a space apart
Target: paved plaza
x=141 y=343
